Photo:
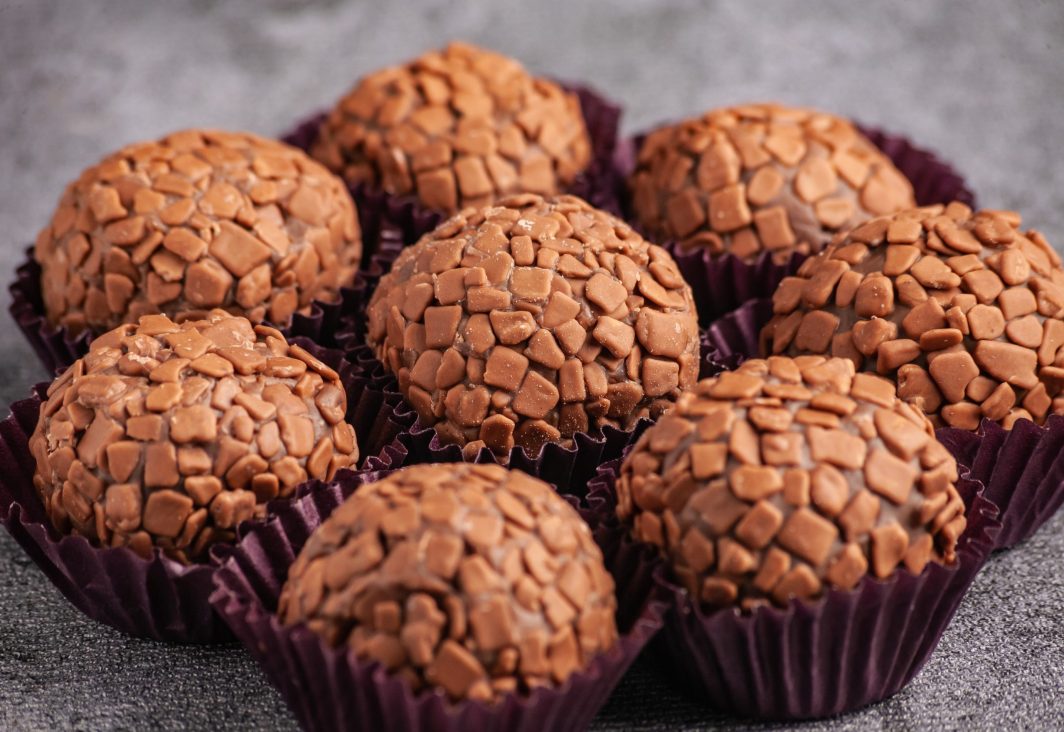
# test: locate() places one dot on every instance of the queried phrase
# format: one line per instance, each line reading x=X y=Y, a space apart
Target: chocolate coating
x=197 y=220
x=170 y=435
x=789 y=476
x=455 y=128
x=471 y=578
x=962 y=309
x=532 y=321
x=762 y=177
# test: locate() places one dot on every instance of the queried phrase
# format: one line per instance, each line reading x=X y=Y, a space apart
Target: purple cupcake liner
x=1022 y=468
x=723 y=283
x=391 y=433
x=812 y=659
x=57 y=348
x=156 y=598
x=331 y=689
x=736 y=336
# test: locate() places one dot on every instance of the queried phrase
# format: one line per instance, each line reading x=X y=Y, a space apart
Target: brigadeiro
x=199 y=219
x=455 y=128
x=789 y=476
x=170 y=434
x=813 y=535
x=476 y=580
x=761 y=178
x=532 y=321
x=964 y=310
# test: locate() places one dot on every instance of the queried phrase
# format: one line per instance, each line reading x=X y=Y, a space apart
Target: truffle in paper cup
x=599 y=183
x=533 y=320
x=723 y=283
x=330 y=688
x=192 y=221
x=775 y=489
x=144 y=593
x=156 y=598
x=814 y=659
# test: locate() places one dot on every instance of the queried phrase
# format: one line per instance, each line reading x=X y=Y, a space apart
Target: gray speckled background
x=980 y=82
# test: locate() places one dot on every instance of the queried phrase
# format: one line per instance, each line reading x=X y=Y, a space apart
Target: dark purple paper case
x=723 y=283
x=735 y=337
x=57 y=349
x=1022 y=468
x=842 y=652
x=599 y=183
x=156 y=598
x=391 y=436
x=330 y=689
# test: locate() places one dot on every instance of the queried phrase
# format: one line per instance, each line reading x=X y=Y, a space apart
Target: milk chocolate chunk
x=199 y=219
x=593 y=325
x=125 y=460
x=458 y=127
x=473 y=579
x=962 y=309
x=764 y=502
x=762 y=178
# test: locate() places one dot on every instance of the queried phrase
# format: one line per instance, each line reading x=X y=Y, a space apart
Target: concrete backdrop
x=980 y=82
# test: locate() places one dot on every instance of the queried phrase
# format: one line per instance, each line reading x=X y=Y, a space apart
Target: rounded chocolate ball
x=762 y=177
x=787 y=477
x=200 y=219
x=455 y=128
x=473 y=579
x=532 y=321
x=169 y=435
x=962 y=309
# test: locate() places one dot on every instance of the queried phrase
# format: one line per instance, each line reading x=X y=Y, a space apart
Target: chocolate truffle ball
x=469 y=578
x=455 y=128
x=762 y=177
x=963 y=310
x=169 y=435
x=787 y=477
x=534 y=320
x=197 y=220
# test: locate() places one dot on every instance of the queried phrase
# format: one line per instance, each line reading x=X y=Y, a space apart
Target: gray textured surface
x=980 y=82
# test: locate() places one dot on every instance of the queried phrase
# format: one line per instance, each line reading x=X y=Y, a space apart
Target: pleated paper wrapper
x=811 y=659
x=331 y=689
x=157 y=597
